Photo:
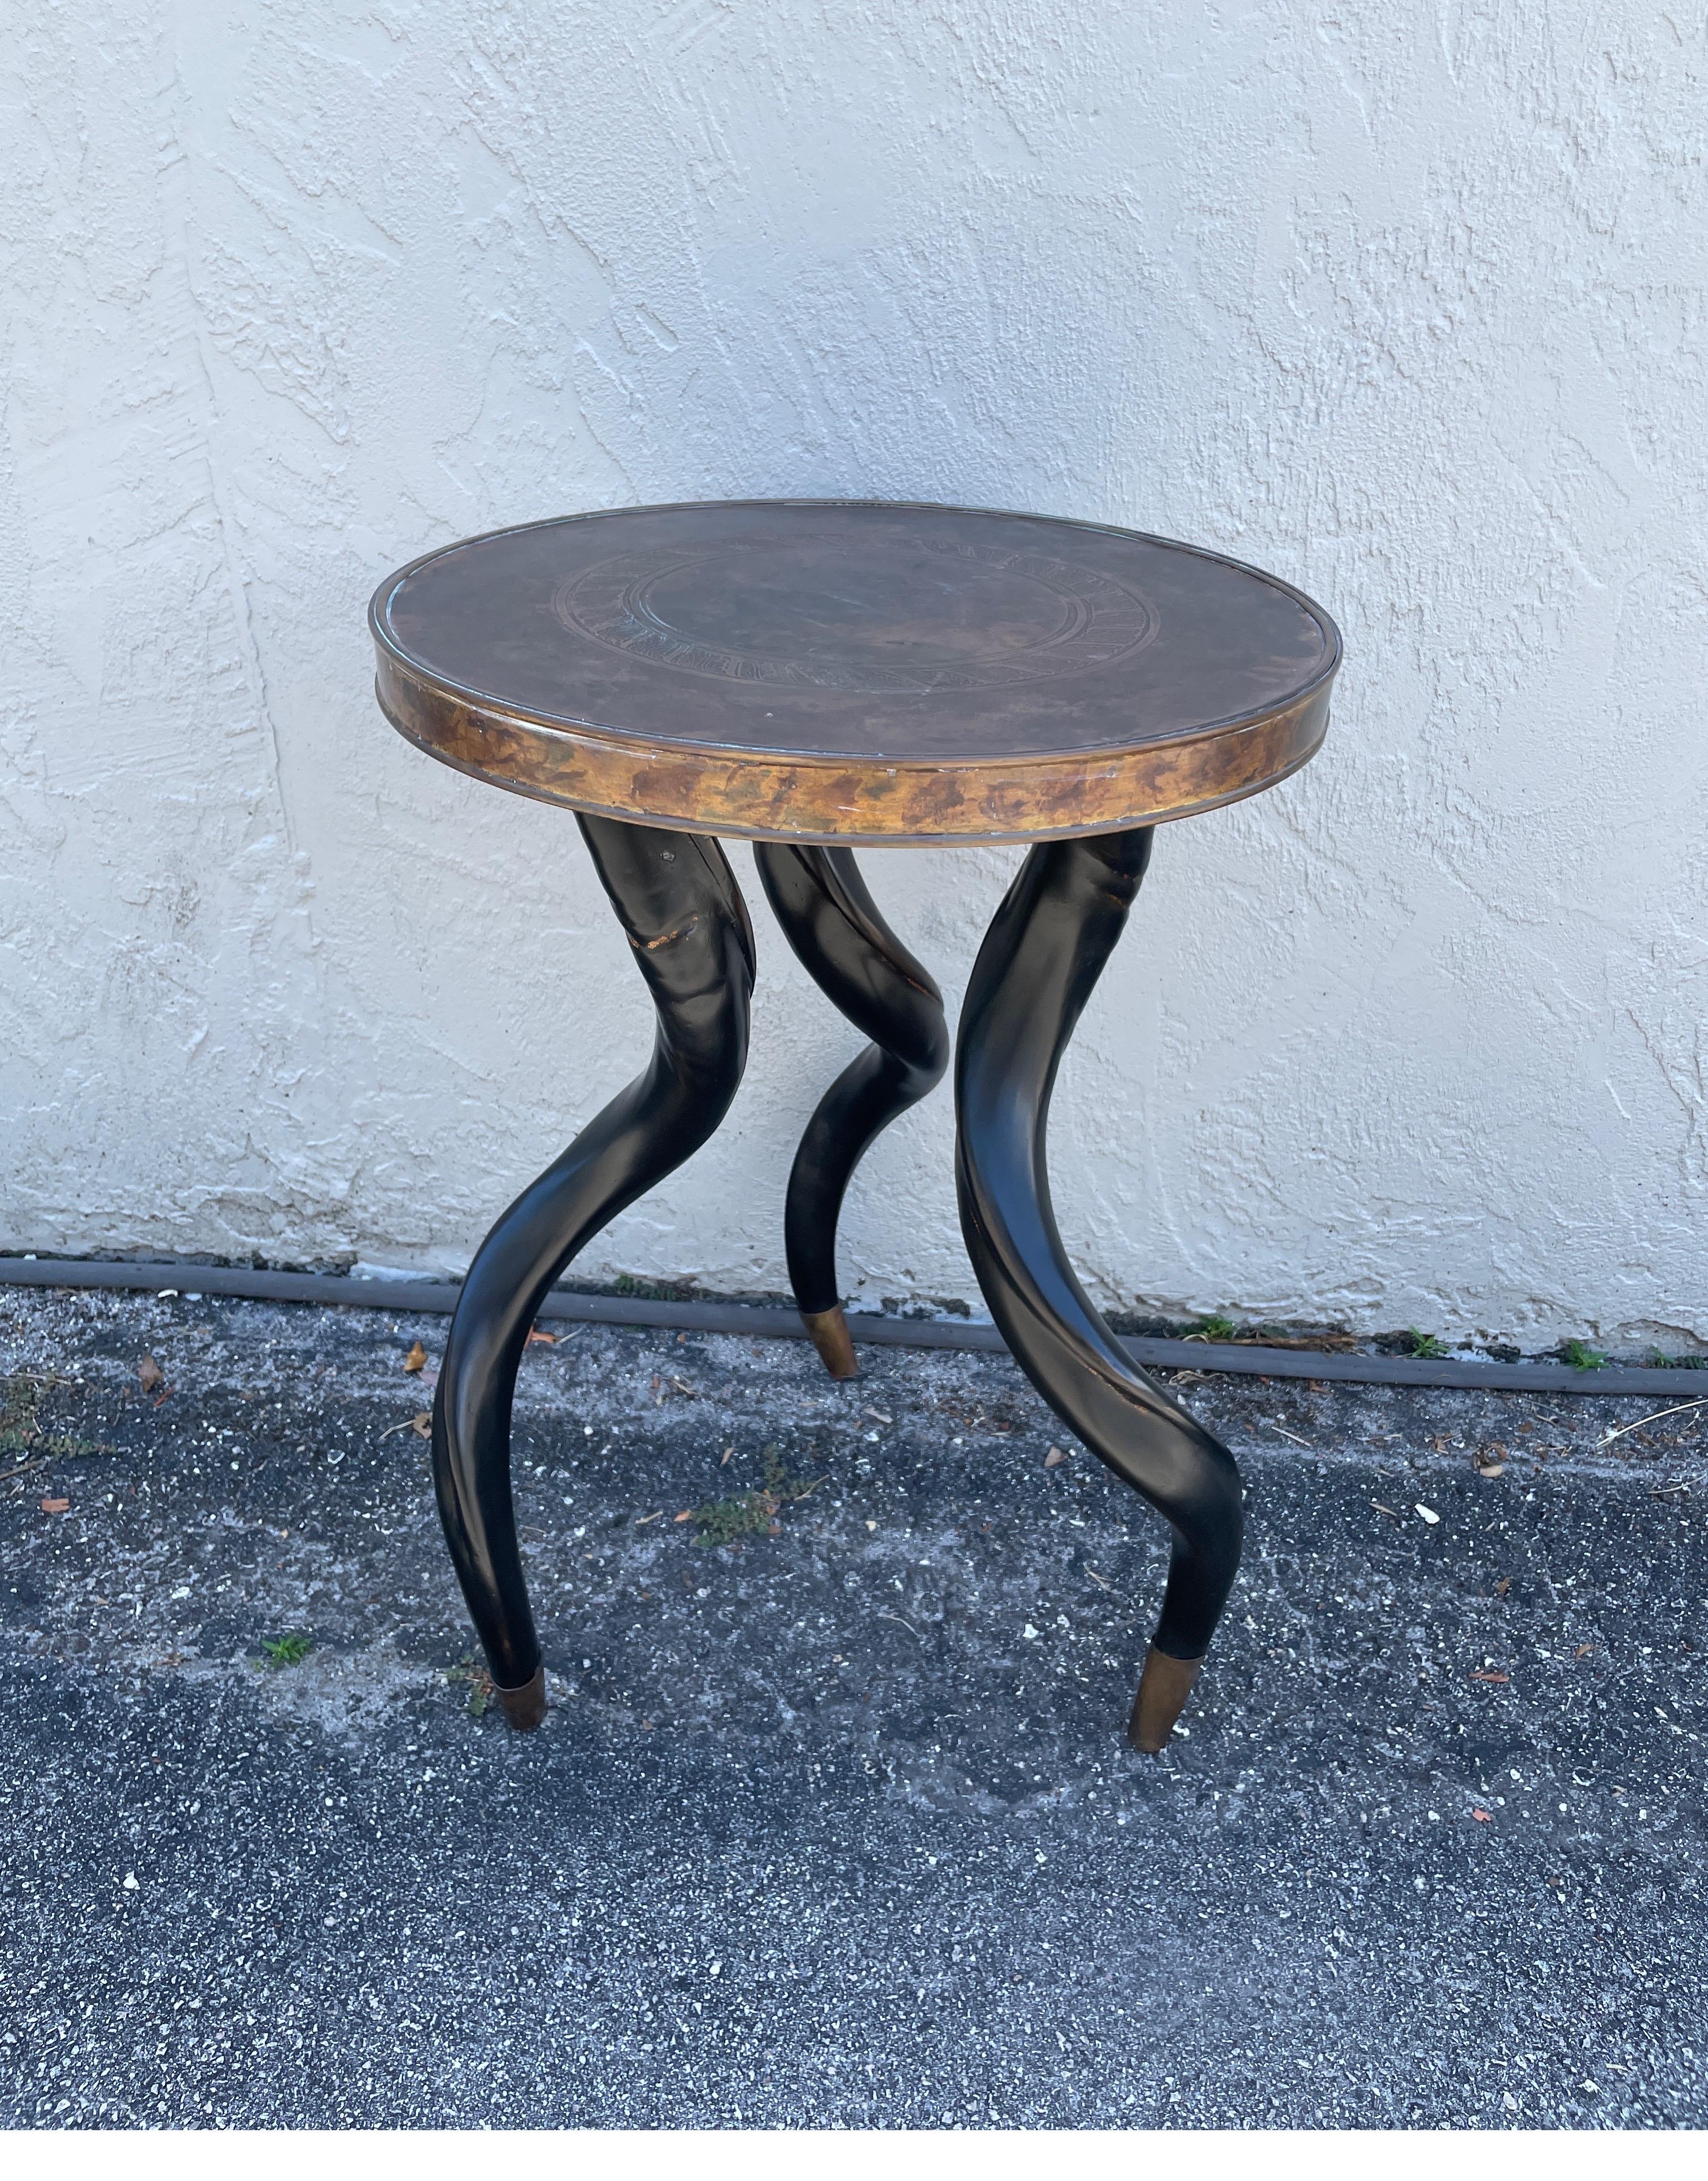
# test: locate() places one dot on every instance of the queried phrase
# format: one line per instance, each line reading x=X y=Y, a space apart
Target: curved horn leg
x=834 y=926
x=1040 y=959
x=678 y=900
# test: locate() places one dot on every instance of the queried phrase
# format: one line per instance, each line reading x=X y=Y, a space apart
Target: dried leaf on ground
x=150 y=1376
x=423 y=1425
x=549 y=1339
x=1055 y=1458
x=416 y=1358
x=55 y=1506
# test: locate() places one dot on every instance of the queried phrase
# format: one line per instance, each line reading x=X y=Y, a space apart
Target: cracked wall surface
x=1407 y=305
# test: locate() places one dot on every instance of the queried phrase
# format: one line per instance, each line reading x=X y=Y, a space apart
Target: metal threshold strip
x=1235 y=1358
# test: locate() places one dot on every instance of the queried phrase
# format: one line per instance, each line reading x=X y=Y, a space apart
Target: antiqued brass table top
x=849 y=672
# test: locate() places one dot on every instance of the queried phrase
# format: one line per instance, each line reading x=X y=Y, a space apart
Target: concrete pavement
x=832 y=1826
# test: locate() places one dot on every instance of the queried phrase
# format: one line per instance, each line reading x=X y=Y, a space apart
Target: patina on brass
x=1163 y=1689
x=847 y=672
x=525 y=1709
x=827 y=1331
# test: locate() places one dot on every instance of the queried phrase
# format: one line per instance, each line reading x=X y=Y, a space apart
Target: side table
x=815 y=676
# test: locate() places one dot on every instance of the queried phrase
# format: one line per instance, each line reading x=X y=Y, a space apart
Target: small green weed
x=21 y=1397
x=1657 y=1361
x=1214 y=1327
x=1425 y=1346
x=626 y=1283
x=751 y=1513
x=1581 y=1357
x=477 y=1681
x=286 y=1650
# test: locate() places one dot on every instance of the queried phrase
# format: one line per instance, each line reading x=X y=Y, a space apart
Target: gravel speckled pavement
x=834 y=1825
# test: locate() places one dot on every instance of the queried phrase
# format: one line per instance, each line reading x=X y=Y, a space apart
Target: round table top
x=847 y=671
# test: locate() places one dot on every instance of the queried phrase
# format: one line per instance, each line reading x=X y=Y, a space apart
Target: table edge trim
x=1039 y=782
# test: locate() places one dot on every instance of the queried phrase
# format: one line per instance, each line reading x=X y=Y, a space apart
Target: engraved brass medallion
x=947 y=615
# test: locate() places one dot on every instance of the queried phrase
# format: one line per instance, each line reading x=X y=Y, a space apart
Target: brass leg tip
x=1163 y=1689
x=827 y=1331
x=524 y=1708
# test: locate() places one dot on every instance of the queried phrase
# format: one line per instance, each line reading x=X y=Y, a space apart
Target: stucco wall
x=1404 y=303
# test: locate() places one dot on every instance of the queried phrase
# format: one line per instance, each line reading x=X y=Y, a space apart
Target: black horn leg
x=833 y=923
x=1043 y=955
x=678 y=900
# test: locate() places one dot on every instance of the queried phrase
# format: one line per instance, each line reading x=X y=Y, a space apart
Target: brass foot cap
x=1163 y=1689
x=524 y=1708
x=827 y=1331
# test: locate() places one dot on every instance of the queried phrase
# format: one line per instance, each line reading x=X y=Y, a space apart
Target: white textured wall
x=1406 y=303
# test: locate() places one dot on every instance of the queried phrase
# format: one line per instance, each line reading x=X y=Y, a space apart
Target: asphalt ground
x=832 y=1826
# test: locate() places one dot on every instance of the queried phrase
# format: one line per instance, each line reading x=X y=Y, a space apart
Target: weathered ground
x=834 y=1826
